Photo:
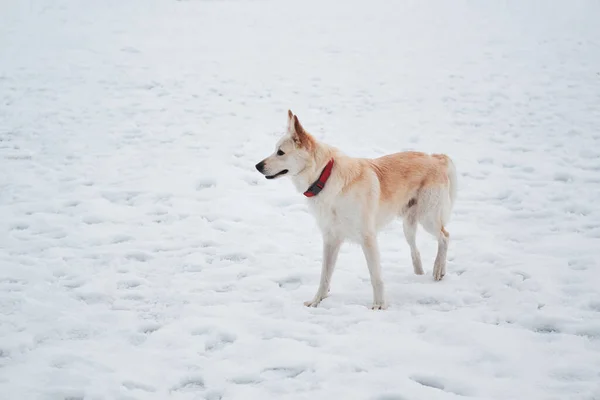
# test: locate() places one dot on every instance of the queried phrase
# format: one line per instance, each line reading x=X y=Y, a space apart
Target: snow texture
x=143 y=257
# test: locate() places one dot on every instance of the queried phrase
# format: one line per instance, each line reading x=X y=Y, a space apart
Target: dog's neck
x=322 y=155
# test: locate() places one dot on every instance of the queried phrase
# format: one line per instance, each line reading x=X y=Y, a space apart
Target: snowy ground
x=143 y=257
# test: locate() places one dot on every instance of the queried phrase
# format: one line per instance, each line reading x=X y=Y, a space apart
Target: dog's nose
x=260 y=166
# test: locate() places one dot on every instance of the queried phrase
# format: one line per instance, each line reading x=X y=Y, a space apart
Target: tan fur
x=302 y=138
x=363 y=195
x=401 y=175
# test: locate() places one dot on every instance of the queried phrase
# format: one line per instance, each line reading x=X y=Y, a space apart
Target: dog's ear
x=300 y=136
x=290 y=122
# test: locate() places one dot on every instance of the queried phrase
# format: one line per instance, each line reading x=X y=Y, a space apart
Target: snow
x=143 y=257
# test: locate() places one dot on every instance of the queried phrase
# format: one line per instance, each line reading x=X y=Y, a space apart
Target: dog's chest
x=338 y=219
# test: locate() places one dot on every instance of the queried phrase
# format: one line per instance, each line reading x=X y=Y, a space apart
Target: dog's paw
x=312 y=303
x=319 y=297
x=379 y=306
x=438 y=274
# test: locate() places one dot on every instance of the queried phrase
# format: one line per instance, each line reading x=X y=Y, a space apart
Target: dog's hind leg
x=439 y=265
x=432 y=215
x=410 y=232
x=331 y=249
x=435 y=227
x=371 y=250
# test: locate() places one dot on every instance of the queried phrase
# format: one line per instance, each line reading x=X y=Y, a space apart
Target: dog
x=352 y=199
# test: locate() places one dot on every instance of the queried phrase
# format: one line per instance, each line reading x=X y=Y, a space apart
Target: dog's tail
x=453 y=184
x=452 y=189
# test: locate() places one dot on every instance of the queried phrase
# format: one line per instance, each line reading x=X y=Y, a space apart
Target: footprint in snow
x=234 y=257
x=580 y=265
x=73 y=284
x=523 y=275
x=429 y=382
x=591 y=331
x=138 y=256
x=428 y=301
x=594 y=305
x=72 y=203
x=391 y=397
x=192 y=267
x=222 y=226
x=129 y=284
x=208 y=243
x=219 y=341
x=120 y=239
x=246 y=379
x=19 y=226
x=213 y=395
x=121 y=198
x=131 y=385
x=563 y=176
x=206 y=183
x=284 y=372
x=149 y=327
x=290 y=283
x=546 y=328
x=92 y=220
x=93 y=297
x=13 y=281
x=190 y=384
x=436 y=383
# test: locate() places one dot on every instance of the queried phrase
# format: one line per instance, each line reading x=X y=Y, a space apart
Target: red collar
x=319 y=184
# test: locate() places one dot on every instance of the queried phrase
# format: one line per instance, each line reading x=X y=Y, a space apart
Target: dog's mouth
x=280 y=173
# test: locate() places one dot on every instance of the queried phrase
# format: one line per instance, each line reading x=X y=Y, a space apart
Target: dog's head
x=292 y=152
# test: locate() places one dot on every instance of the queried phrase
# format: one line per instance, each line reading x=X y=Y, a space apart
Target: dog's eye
x=280 y=153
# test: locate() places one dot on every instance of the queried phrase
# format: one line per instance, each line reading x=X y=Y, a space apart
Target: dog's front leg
x=371 y=250
x=331 y=249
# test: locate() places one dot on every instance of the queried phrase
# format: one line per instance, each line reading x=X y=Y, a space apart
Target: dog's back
x=408 y=179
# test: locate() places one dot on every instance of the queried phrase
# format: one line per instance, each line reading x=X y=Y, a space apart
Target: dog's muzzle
x=261 y=168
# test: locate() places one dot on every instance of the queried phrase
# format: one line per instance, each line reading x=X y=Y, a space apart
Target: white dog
x=353 y=198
